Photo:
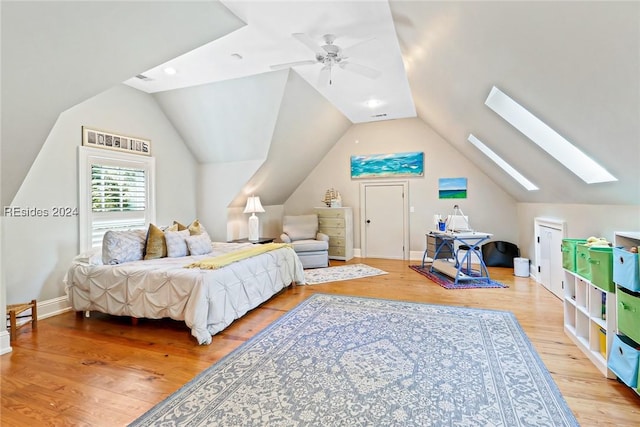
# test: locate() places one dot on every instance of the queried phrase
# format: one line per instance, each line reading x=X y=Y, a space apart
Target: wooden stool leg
x=34 y=315
x=12 y=325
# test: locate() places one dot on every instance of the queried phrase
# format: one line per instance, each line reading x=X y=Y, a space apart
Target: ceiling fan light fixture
x=329 y=55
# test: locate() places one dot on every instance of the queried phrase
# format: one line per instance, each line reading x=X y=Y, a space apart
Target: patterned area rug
x=338 y=360
x=315 y=276
x=448 y=283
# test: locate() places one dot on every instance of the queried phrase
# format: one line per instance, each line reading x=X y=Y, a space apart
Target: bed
x=207 y=300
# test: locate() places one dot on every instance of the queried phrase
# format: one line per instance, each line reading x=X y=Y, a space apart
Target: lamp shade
x=253 y=205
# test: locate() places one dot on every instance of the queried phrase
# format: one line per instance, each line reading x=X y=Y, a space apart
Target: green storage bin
x=568 y=248
x=582 y=261
x=629 y=314
x=601 y=265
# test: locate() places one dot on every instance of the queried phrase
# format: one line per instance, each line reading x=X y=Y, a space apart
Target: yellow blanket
x=231 y=257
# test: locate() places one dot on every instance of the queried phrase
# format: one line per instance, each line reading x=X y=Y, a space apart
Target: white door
x=384 y=221
x=550 y=263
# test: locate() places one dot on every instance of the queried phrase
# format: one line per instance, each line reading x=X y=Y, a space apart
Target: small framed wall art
x=113 y=141
x=452 y=188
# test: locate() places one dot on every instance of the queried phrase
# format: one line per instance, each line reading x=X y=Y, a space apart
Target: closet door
x=384 y=227
x=550 y=262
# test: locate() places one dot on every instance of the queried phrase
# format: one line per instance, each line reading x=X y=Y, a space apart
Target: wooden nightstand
x=261 y=240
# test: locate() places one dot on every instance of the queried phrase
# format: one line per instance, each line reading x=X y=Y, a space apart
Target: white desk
x=461 y=269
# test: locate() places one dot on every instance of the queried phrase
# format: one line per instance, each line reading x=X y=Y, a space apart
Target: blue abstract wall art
x=387 y=165
x=452 y=188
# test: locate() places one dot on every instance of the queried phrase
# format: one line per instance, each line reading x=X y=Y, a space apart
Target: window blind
x=117 y=189
x=118 y=199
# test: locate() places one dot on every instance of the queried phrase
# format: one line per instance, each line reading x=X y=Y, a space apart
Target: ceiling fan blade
x=293 y=64
x=308 y=41
x=349 y=51
x=360 y=69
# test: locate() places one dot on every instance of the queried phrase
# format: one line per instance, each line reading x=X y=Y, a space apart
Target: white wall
x=582 y=221
x=218 y=184
x=489 y=208
x=37 y=251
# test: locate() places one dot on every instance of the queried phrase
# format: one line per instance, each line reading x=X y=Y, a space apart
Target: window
x=547 y=139
x=502 y=163
x=116 y=193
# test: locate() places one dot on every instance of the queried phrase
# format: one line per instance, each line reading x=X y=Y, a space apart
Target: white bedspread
x=207 y=300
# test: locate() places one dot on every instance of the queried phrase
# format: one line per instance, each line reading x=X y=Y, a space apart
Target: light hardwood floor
x=103 y=371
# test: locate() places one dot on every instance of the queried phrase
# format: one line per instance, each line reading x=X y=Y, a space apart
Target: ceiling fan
x=329 y=55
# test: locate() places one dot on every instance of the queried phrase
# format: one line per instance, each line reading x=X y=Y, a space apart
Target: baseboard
x=53 y=307
x=5 y=342
x=413 y=255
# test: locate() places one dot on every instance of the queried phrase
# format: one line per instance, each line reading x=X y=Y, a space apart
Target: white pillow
x=199 y=244
x=92 y=257
x=123 y=246
x=176 y=243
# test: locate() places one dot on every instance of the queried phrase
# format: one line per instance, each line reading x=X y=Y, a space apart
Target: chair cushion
x=314 y=259
x=309 y=245
x=300 y=227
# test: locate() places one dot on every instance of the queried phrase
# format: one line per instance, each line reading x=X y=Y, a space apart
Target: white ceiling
x=267 y=40
x=575 y=65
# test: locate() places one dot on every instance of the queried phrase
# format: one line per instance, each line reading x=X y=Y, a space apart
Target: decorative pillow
x=122 y=246
x=180 y=226
x=156 y=246
x=176 y=243
x=196 y=228
x=200 y=244
x=92 y=257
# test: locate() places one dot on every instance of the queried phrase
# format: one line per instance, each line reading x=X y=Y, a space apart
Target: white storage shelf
x=585 y=315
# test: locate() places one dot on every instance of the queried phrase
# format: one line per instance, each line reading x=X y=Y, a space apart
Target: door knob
x=368 y=221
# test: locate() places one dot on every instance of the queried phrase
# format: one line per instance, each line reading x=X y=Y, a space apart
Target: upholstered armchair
x=301 y=231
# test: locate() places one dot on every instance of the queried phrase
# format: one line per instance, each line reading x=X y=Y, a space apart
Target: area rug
x=315 y=276
x=449 y=283
x=338 y=360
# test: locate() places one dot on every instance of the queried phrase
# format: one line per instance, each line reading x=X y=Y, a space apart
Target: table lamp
x=253 y=206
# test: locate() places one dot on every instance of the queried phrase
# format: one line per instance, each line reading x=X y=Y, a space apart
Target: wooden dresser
x=337 y=223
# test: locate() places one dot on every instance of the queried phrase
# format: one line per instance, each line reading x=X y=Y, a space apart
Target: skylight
x=504 y=165
x=547 y=139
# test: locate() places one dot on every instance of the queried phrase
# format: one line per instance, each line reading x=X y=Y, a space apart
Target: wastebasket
x=521 y=267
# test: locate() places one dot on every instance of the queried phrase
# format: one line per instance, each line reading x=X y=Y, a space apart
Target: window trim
x=88 y=156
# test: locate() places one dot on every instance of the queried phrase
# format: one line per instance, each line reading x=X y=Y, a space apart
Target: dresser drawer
x=331 y=213
x=333 y=232
x=336 y=241
x=336 y=251
x=331 y=222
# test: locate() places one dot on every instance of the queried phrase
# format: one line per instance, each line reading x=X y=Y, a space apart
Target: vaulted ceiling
x=575 y=65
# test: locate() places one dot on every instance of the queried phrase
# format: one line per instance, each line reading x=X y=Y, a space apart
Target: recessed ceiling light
x=170 y=71
x=504 y=165
x=546 y=138
x=373 y=103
